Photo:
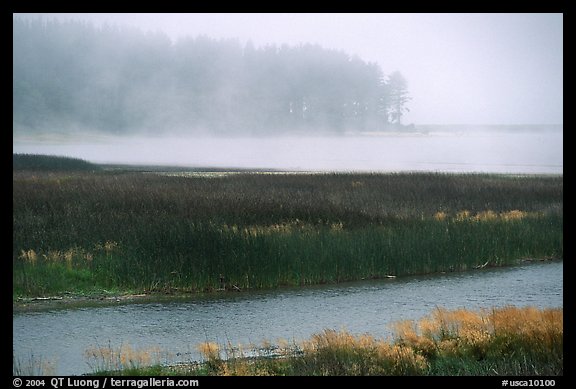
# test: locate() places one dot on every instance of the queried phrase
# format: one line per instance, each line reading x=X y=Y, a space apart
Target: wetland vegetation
x=116 y=229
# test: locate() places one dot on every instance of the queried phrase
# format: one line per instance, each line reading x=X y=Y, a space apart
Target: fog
x=340 y=92
x=461 y=68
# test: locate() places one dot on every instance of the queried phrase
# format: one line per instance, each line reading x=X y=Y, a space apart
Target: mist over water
x=531 y=152
x=204 y=91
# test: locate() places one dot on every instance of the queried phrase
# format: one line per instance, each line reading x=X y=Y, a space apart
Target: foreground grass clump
x=500 y=341
x=149 y=232
x=127 y=359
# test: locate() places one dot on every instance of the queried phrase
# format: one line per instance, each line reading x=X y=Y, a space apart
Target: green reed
x=175 y=233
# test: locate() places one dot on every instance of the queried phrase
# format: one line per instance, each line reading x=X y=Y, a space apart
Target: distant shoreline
x=82 y=136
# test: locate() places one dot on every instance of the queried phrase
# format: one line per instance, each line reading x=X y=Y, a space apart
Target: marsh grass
x=499 y=341
x=125 y=358
x=32 y=366
x=151 y=232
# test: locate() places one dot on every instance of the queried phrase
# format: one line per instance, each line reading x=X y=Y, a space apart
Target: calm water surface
x=62 y=336
x=488 y=152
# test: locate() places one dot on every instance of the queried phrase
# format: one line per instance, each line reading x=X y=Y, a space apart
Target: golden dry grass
x=69 y=257
x=124 y=357
x=484 y=216
x=209 y=350
x=458 y=331
x=469 y=336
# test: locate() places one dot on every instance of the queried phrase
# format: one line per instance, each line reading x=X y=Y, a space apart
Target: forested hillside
x=75 y=76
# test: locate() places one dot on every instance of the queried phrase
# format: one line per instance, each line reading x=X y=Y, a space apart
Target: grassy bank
x=87 y=231
x=506 y=341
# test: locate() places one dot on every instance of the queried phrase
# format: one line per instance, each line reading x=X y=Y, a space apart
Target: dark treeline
x=35 y=162
x=74 y=75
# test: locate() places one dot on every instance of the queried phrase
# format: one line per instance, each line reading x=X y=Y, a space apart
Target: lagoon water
x=530 y=152
x=60 y=337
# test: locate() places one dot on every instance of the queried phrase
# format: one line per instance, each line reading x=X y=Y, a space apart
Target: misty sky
x=461 y=68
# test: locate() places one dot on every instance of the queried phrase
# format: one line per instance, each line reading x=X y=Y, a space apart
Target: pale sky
x=461 y=68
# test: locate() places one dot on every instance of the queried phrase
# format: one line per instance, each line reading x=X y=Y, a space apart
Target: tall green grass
x=153 y=232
